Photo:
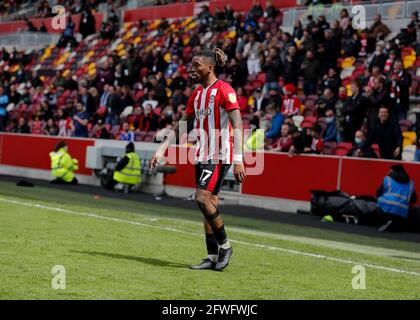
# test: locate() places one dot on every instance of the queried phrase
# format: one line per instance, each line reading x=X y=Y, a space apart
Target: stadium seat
x=298 y=120
x=409 y=152
x=322 y=122
x=308 y=113
x=310 y=104
x=329 y=147
x=314 y=97
x=342 y=148
x=375 y=148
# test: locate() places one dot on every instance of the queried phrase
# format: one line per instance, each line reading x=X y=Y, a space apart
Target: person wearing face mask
x=63 y=165
x=356 y=150
x=330 y=133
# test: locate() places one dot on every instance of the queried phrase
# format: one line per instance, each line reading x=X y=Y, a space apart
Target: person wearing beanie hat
x=127 y=171
x=395 y=195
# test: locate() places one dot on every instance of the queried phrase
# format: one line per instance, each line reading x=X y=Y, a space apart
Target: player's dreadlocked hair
x=216 y=56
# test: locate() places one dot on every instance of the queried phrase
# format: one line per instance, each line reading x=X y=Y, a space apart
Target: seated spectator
x=260 y=101
x=330 y=133
x=291 y=103
x=386 y=132
x=101 y=132
x=46 y=112
x=325 y=102
x=80 y=120
x=276 y=122
x=126 y=134
x=301 y=141
x=65 y=124
x=21 y=126
x=395 y=195
x=50 y=128
x=259 y=105
x=356 y=150
x=285 y=142
x=317 y=144
x=149 y=122
x=37 y=125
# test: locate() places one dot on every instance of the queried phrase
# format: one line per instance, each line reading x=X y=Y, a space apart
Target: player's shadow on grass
x=151 y=261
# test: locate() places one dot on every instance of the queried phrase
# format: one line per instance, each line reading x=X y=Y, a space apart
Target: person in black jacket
x=378 y=96
x=354 y=111
x=272 y=67
x=387 y=134
x=87 y=24
x=291 y=66
x=87 y=100
x=400 y=82
x=356 y=151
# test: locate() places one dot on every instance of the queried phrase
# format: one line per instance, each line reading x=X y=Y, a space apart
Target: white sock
x=226 y=245
x=213 y=257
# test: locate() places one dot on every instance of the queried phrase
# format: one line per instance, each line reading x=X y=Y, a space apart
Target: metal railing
x=28 y=39
x=390 y=10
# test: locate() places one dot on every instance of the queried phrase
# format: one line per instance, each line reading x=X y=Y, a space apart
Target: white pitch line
x=263 y=246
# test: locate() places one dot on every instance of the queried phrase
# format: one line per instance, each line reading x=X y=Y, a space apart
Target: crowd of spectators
x=133 y=96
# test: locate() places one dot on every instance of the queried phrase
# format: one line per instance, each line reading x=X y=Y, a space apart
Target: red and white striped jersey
x=210 y=107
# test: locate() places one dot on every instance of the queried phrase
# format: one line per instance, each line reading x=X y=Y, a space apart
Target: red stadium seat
x=375 y=148
x=329 y=147
x=308 y=113
x=342 y=148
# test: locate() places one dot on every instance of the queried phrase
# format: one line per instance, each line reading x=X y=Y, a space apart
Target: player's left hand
x=239 y=172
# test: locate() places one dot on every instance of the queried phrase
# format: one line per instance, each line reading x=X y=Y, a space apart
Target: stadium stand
x=144 y=65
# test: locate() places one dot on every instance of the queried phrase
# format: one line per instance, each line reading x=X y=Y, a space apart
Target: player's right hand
x=157 y=158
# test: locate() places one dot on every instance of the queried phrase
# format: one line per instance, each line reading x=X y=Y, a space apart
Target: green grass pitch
x=121 y=249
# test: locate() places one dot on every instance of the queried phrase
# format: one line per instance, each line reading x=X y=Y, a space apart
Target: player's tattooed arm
x=170 y=139
x=236 y=122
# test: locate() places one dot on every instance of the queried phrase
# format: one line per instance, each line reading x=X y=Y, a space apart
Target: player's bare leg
x=207 y=202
